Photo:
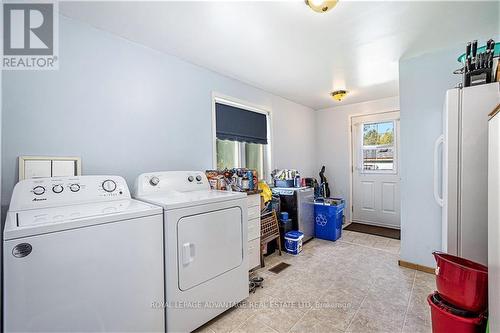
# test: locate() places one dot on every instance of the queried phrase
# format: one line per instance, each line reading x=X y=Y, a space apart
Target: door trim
x=351 y=155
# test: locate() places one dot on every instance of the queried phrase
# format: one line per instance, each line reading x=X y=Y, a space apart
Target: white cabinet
x=253 y=253
x=253 y=230
x=47 y=166
x=494 y=222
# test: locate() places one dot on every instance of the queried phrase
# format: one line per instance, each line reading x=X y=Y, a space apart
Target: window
x=254 y=157
x=234 y=154
x=227 y=154
x=378 y=146
x=241 y=138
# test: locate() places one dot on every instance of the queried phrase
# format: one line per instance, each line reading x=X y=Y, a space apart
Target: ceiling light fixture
x=321 y=6
x=338 y=95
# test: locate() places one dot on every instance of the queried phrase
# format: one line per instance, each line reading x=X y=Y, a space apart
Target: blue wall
x=126 y=109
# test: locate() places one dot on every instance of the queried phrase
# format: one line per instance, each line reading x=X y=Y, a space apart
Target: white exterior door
x=375 y=179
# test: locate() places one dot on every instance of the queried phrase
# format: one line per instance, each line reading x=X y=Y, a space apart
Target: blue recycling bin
x=328 y=216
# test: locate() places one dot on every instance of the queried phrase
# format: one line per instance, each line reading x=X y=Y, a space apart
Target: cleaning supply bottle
x=250 y=180
x=296 y=181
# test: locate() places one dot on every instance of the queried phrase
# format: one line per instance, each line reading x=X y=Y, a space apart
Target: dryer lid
x=174 y=199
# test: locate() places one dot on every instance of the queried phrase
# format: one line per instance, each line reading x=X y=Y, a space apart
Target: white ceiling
x=291 y=51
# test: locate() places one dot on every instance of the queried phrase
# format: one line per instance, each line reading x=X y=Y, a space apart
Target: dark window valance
x=237 y=124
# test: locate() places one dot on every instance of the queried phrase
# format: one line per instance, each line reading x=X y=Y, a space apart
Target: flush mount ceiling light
x=338 y=95
x=321 y=6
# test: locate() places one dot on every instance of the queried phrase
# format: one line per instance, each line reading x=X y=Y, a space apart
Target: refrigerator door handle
x=439 y=141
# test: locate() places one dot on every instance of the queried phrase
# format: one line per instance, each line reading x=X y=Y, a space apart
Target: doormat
x=374 y=230
x=279 y=267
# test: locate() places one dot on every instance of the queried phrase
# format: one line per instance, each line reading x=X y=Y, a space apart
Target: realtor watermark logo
x=30 y=35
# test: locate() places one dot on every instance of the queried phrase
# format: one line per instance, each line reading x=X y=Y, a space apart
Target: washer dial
x=74 y=187
x=109 y=185
x=57 y=188
x=154 y=181
x=39 y=190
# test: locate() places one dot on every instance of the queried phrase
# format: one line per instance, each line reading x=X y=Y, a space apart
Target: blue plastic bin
x=283 y=216
x=328 y=220
x=293 y=242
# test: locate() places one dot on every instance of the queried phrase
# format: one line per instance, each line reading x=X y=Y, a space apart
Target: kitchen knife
x=492 y=53
x=474 y=53
x=487 y=54
x=467 y=57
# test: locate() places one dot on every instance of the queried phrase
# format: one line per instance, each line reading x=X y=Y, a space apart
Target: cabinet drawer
x=253 y=200
x=253 y=253
x=253 y=229
x=253 y=212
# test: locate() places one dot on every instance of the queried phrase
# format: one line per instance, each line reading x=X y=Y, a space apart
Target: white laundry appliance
x=206 y=265
x=464 y=185
x=81 y=256
x=494 y=220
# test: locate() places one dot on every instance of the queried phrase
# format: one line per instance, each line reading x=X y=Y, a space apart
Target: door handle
x=439 y=141
x=188 y=253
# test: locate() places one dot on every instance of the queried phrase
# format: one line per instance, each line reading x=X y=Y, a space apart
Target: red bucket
x=462 y=282
x=445 y=321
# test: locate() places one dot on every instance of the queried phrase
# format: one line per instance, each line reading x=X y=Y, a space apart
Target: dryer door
x=208 y=245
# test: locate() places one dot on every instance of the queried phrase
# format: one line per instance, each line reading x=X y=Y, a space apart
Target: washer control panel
x=58 y=191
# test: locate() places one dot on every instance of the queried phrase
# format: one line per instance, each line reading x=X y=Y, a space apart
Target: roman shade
x=235 y=124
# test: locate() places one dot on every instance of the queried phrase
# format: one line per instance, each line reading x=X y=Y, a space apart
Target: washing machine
x=206 y=265
x=80 y=255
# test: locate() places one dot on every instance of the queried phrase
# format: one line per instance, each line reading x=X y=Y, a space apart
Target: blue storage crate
x=328 y=220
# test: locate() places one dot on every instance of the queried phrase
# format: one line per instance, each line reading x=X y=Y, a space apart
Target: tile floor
x=352 y=285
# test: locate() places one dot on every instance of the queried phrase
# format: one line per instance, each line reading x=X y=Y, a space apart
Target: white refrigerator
x=463 y=189
x=494 y=220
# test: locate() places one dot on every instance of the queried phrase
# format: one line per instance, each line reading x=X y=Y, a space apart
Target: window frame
x=395 y=157
x=267 y=160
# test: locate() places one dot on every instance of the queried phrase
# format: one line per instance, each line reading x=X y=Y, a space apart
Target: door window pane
x=378 y=159
x=378 y=146
x=227 y=154
x=376 y=134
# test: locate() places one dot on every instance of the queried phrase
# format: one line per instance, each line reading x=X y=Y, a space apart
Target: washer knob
x=154 y=181
x=74 y=187
x=39 y=190
x=198 y=178
x=109 y=185
x=190 y=178
x=57 y=188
